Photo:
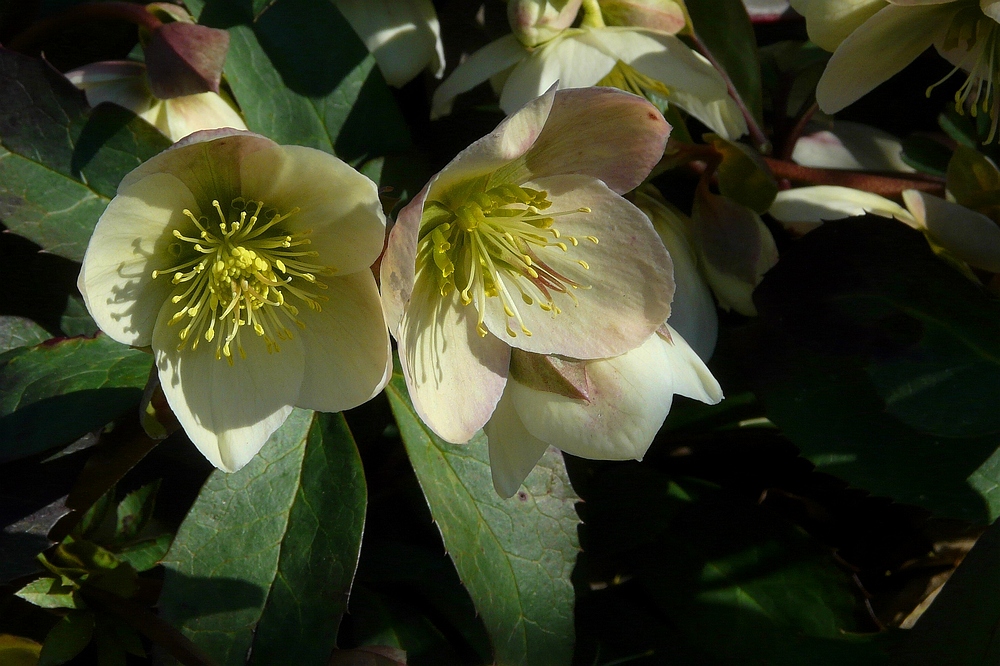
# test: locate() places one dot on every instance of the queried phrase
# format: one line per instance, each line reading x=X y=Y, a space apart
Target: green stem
x=592 y=17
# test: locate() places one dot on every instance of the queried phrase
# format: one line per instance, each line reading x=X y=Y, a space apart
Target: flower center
x=239 y=272
x=978 y=36
x=490 y=243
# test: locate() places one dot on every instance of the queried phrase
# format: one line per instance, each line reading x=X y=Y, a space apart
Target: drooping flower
x=612 y=409
x=636 y=59
x=125 y=83
x=245 y=265
x=523 y=241
x=403 y=35
x=874 y=39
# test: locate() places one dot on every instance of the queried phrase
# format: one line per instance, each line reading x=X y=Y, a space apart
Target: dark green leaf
x=925 y=154
x=265 y=559
x=743 y=175
x=135 y=511
x=60 y=163
x=302 y=76
x=960 y=627
x=145 y=555
x=67 y=639
x=49 y=592
x=725 y=29
x=514 y=556
x=55 y=392
x=20 y=332
x=881 y=363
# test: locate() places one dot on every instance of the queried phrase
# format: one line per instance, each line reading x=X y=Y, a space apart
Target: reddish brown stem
x=887 y=185
x=96 y=11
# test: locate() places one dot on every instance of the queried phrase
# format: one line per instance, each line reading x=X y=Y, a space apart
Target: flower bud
x=537 y=21
x=664 y=15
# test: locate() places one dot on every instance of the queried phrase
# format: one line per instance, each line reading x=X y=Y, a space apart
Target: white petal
x=204 y=111
x=848 y=145
x=514 y=451
x=626 y=286
x=481 y=65
x=396 y=272
x=455 y=377
x=804 y=208
x=970 y=236
x=829 y=22
x=630 y=396
x=346 y=346
x=692 y=378
x=886 y=43
x=339 y=205
x=119 y=82
x=228 y=411
x=130 y=241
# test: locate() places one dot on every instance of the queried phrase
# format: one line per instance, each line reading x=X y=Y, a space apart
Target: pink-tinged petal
x=346 y=346
x=396 y=273
x=830 y=22
x=129 y=242
x=886 y=43
x=567 y=61
x=630 y=397
x=605 y=133
x=455 y=377
x=480 y=66
x=228 y=411
x=991 y=8
x=188 y=114
x=847 y=145
x=625 y=279
x=970 y=236
x=692 y=378
x=514 y=451
x=347 y=229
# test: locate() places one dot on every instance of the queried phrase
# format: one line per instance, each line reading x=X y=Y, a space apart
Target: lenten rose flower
x=245 y=265
x=523 y=241
x=125 y=83
x=613 y=411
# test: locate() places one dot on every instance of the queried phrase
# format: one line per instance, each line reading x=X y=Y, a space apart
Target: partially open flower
x=524 y=241
x=246 y=266
x=612 y=411
x=537 y=21
x=125 y=83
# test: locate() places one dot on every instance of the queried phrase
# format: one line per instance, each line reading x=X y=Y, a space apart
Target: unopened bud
x=537 y=21
x=665 y=15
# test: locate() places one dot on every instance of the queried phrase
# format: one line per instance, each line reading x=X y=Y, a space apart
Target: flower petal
x=480 y=66
x=396 y=272
x=605 y=133
x=228 y=411
x=339 y=205
x=455 y=377
x=829 y=22
x=129 y=242
x=630 y=396
x=626 y=286
x=188 y=114
x=346 y=346
x=514 y=451
x=120 y=82
x=970 y=236
x=692 y=378
x=886 y=43
x=804 y=208
x=848 y=145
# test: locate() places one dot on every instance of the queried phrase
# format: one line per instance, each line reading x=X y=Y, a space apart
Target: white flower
x=124 y=83
x=246 y=266
x=621 y=405
x=846 y=145
x=403 y=35
x=523 y=241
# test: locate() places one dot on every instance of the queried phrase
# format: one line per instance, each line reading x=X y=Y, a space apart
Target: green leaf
x=960 y=627
x=725 y=29
x=60 y=163
x=737 y=583
x=48 y=592
x=265 y=558
x=302 y=76
x=58 y=391
x=974 y=181
x=880 y=362
x=743 y=175
x=514 y=556
x=135 y=511
x=925 y=154
x=67 y=639
x=144 y=555
x=20 y=332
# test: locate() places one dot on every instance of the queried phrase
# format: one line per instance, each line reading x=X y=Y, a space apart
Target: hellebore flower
x=246 y=266
x=125 y=83
x=607 y=409
x=403 y=35
x=872 y=40
x=538 y=21
x=636 y=59
x=523 y=241
x=846 y=145
x=965 y=234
